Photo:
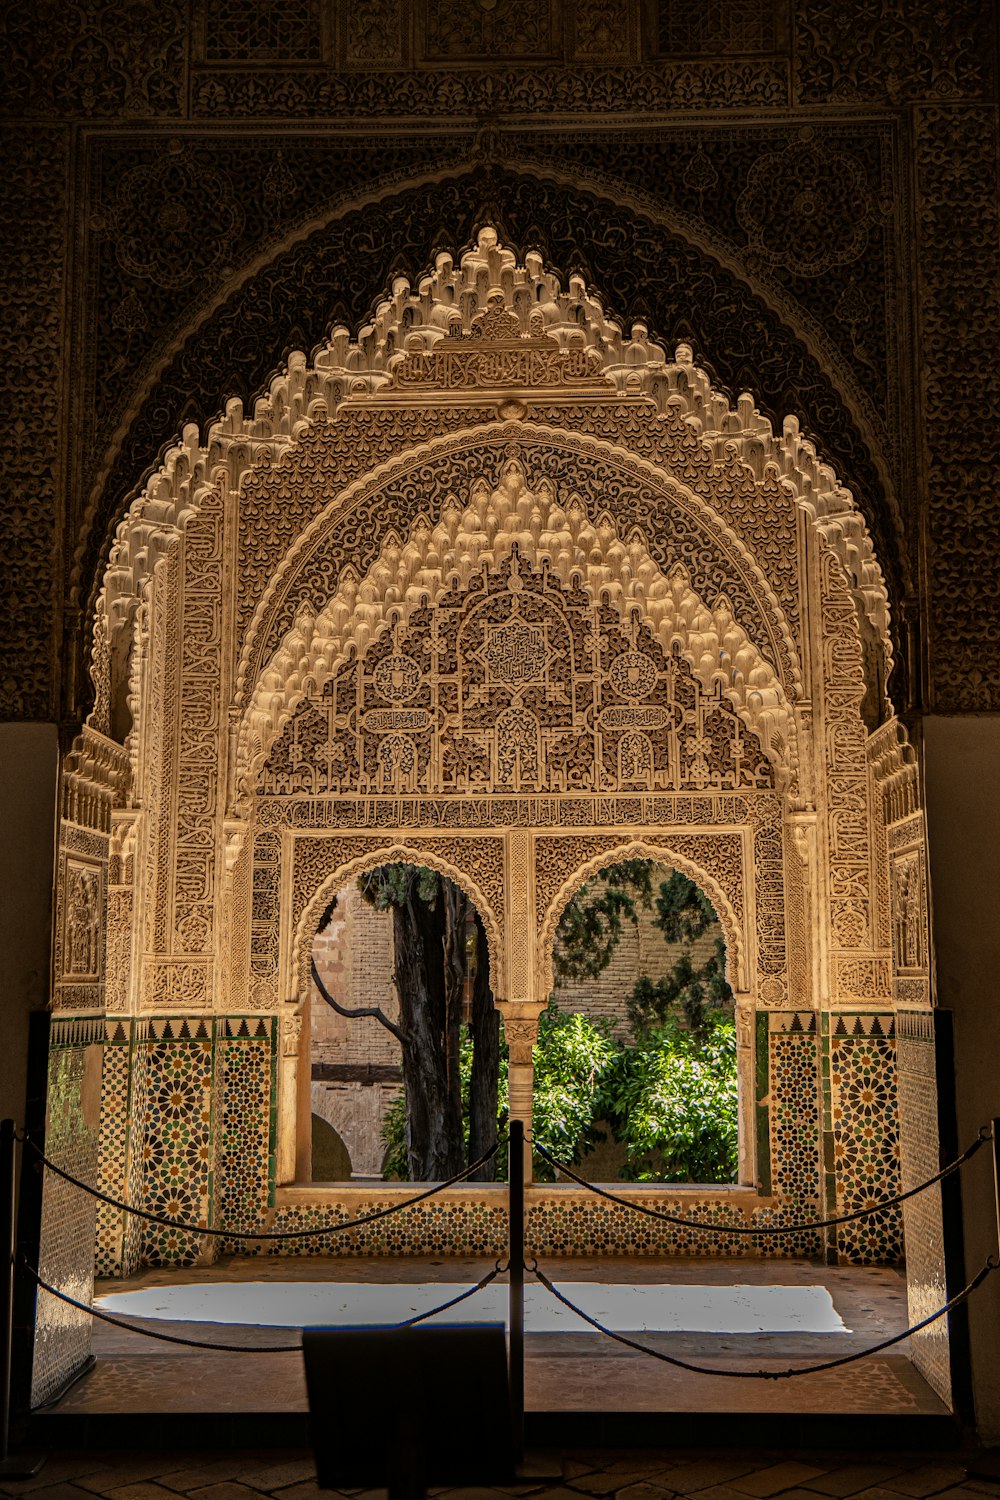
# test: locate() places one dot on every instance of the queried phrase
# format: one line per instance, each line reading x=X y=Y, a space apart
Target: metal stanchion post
x=515 y=1177
x=20 y=1467
x=996 y=1176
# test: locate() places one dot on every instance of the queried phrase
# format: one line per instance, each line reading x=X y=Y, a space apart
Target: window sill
x=331 y=1192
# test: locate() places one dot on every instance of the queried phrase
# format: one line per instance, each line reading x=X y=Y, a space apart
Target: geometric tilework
x=245 y=1028
x=863 y=1127
x=120 y=1157
x=158 y=1106
x=795 y=1022
x=180 y=1028
x=135 y=1173
x=794 y=1097
x=112 y=1158
x=245 y=1129
x=845 y=1025
x=437 y=1227
x=177 y=1146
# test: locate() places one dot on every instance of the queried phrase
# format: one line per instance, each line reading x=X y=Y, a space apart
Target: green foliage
x=670 y=1099
x=694 y=993
x=395 y=1163
x=673 y=1101
x=394 y=885
x=572 y=1058
x=683 y=911
x=591 y=923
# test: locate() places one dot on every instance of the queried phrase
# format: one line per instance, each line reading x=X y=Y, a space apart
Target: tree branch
x=374 y=1012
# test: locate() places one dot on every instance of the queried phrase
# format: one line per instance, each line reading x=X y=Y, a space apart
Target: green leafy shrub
x=572 y=1058
x=672 y=1097
x=395 y=1164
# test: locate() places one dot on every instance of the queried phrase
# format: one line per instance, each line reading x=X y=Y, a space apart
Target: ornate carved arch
x=654 y=499
x=400 y=851
x=186 y=365
x=414 y=572
x=570 y=328
x=658 y=849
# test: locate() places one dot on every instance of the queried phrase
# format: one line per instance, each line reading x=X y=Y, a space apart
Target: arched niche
x=320 y=871
x=385 y=480
x=659 y=851
x=724 y=884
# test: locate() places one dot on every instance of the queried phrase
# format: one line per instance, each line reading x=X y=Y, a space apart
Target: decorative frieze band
x=564 y=811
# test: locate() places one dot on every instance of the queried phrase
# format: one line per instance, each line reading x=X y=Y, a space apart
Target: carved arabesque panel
x=515 y=684
x=200 y=719
x=958 y=224
x=600 y=495
x=861 y=963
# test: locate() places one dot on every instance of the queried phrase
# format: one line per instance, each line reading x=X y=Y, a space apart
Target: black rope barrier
x=564 y=1167
x=444 y=1306
x=830 y=1364
x=246 y=1234
x=176 y=1338
x=985 y=1134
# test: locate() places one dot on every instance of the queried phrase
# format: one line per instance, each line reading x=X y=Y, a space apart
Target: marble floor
x=565 y=1371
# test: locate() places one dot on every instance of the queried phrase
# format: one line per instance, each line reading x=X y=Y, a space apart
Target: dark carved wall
x=808 y=194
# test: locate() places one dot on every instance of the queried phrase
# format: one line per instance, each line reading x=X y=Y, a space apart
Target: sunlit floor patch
x=634 y=1309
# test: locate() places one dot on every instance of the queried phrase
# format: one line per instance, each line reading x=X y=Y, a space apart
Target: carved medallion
x=397 y=677
x=633 y=674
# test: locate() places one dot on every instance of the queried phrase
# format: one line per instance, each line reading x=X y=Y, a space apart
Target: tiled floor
x=563 y=1372
x=617 y=1475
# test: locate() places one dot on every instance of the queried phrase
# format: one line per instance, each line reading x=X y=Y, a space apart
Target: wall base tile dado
x=920 y=1159
x=211 y=1087
x=175 y=1090
x=245 y=1132
x=177 y=1146
x=793 y=1108
x=560 y=1221
x=121 y=1157
x=861 y=1126
x=62 y=1335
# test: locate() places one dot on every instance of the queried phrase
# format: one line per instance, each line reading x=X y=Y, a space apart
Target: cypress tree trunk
x=456 y=907
x=431 y=1079
x=430 y=919
x=484 y=1085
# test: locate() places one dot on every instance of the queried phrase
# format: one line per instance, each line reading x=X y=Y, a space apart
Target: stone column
x=520 y=1008
x=520 y=1024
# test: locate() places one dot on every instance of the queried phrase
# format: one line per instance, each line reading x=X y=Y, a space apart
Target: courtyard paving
x=646 y=1474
